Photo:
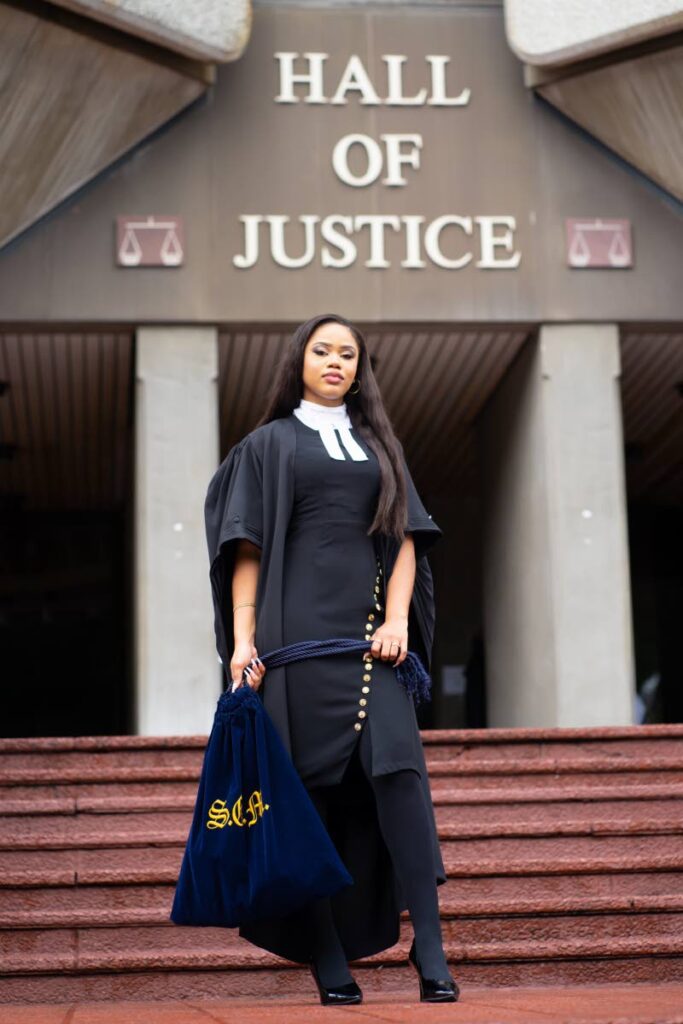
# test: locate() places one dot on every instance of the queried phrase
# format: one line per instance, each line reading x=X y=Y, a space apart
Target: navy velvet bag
x=257 y=847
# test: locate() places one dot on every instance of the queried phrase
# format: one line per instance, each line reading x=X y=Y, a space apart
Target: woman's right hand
x=245 y=656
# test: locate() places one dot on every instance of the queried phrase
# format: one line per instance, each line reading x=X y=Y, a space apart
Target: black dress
x=334 y=587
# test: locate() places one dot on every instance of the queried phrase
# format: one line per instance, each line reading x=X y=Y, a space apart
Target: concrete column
x=177 y=679
x=557 y=611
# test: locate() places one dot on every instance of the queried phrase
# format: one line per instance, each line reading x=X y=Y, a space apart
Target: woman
x=315 y=530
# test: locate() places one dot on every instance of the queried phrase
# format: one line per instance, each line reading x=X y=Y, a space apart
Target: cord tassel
x=413 y=675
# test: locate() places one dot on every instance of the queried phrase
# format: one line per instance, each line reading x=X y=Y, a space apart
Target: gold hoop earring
x=355 y=381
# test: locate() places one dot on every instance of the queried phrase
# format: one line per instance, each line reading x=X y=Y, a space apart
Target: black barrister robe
x=251 y=496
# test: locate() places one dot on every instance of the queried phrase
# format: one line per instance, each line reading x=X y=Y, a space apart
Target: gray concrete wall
x=519 y=631
x=177 y=678
x=556 y=588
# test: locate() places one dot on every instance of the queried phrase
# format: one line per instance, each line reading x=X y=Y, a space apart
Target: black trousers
x=406 y=830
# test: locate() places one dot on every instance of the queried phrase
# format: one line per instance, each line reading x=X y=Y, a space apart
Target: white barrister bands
x=330 y=420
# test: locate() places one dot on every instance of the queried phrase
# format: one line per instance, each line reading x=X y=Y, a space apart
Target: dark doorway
x=657 y=587
x=63 y=624
x=65 y=527
x=652 y=403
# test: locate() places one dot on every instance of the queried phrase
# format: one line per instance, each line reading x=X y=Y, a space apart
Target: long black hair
x=366 y=411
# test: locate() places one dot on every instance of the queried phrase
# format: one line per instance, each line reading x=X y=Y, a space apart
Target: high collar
x=330 y=420
x=334 y=414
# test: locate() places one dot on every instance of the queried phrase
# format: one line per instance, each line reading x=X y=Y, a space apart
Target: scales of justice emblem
x=149 y=242
x=599 y=243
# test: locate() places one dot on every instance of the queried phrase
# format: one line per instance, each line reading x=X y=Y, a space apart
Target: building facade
x=518 y=278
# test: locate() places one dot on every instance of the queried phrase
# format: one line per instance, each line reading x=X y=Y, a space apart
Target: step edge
x=532 y=951
x=123 y=804
x=436 y=769
x=483 y=869
x=659 y=905
x=177 y=838
x=494 y=734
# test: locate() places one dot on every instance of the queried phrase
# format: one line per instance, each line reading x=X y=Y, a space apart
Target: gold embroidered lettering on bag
x=221 y=815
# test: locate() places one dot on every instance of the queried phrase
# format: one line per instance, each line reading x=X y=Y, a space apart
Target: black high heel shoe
x=340 y=995
x=434 y=990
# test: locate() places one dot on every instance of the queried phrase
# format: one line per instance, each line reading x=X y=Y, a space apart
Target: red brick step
x=563 y=849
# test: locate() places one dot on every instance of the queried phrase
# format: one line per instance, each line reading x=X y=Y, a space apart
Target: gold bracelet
x=246 y=604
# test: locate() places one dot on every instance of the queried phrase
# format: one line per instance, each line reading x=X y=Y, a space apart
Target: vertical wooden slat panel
x=124 y=418
x=68 y=411
x=8 y=423
x=60 y=375
x=423 y=397
x=17 y=395
x=106 y=384
x=652 y=404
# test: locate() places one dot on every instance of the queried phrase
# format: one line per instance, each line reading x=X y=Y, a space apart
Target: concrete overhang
x=615 y=69
x=549 y=34
x=205 y=30
x=79 y=94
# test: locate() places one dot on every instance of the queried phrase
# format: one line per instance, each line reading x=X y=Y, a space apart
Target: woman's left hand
x=392 y=636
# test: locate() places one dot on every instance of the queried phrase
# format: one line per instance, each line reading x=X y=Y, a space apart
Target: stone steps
x=104 y=906
x=563 y=850
x=160 y=865
x=272 y=984
x=84 y=831
x=94 y=950
x=112 y=798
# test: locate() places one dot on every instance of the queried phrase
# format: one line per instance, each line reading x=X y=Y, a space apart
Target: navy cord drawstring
x=411 y=673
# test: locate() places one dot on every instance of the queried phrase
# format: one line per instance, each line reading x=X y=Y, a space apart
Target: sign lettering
x=336 y=241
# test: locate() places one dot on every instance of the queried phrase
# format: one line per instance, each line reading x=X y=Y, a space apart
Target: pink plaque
x=150 y=241
x=594 y=242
